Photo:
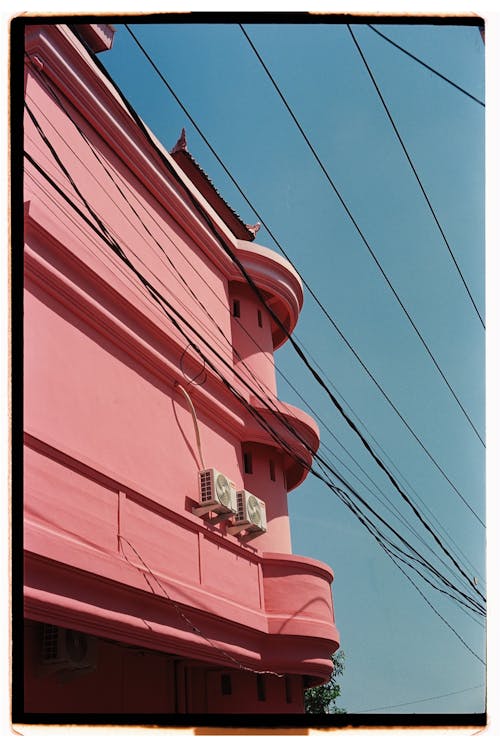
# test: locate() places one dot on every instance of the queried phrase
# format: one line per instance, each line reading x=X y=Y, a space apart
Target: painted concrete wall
x=112 y=546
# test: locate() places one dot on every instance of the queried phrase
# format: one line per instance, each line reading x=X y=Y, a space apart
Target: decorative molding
x=107 y=320
x=72 y=71
x=102 y=475
x=159 y=626
x=277 y=279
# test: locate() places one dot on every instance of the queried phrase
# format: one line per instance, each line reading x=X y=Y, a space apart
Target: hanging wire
x=237 y=355
x=188 y=623
x=278 y=244
x=195 y=420
x=417 y=177
x=112 y=243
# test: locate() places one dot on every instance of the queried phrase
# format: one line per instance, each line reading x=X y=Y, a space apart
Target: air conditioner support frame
x=246 y=531
x=205 y=511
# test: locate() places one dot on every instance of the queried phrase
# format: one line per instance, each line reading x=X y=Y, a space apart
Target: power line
x=258 y=293
x=421 y=700
x=412 y=166
x=111 y=242
x=179 y=275
x=322 y=307
x=424 y=64
x=362 y=236
x=108 y=239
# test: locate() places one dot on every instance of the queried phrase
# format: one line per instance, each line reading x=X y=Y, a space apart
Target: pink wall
x=110 y=443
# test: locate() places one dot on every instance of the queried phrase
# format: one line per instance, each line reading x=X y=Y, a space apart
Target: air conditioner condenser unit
x=64 y=649
x=217 y=494
x=251 y=515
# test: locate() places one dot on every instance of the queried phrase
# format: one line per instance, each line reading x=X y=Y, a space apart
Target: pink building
x=159 y=576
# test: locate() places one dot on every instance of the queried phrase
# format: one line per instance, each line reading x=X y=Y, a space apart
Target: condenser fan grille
x=254 y=511
x=76 y=645
x=223 y=490
x=49 y=644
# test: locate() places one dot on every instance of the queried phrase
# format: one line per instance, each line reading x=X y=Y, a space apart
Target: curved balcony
x=301 y=439
x=298 y=602
x=279 y=282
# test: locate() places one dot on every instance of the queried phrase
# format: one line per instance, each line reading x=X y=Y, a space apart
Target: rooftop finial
x=181 y=144
x=253 y=229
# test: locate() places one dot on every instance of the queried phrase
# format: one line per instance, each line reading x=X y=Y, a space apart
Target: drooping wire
x=421 y=700
x=412 y=166
x=158 y=297
x=424 y=64
x=218 y=327
x=311 y=291
x=167 y=307
x=235 y=352
x=195 y=420
x=187 y=622
x=116 y=247
x=362 y=236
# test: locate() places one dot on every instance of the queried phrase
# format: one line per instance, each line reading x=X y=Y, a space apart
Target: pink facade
x=176 y=611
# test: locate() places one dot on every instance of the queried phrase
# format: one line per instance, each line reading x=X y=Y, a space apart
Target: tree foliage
x=322 y=699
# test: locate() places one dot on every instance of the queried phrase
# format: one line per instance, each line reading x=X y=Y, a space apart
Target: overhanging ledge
x=278 y=281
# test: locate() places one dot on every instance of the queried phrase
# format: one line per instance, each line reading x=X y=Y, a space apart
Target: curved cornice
x=279 y=282
x=301 y=437
x=57 y=54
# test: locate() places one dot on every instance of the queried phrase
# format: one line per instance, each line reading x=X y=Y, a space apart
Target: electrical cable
x=363 y=237
x=189 y=624
x=424 y=64
x=115 y=249
x=195 y=421
x=420 y=700
x=108 y=239
x=158 y=297
x=412 y=166
x=236 y=353
x=314 y=296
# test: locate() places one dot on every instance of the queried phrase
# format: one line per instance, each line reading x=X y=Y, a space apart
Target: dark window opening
x=272 y=470
x=225 y=684
x=288 y=689
x=236 y=308
x=259 y=317
x=261 y=687
x=247 y=461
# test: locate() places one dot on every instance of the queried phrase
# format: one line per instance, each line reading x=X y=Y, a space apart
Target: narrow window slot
x=259 y=317
x=288 y=689
x=225 y=684
x=272 y=470
x=236 y=308
x=247 y=462
x=261 y=687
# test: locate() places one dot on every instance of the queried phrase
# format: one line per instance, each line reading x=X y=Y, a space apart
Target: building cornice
x=278 y=281
x=55 y=52
x=109 y=312
x=295 y=428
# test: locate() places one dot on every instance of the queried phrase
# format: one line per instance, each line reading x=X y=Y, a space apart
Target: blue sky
x=397 y=649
